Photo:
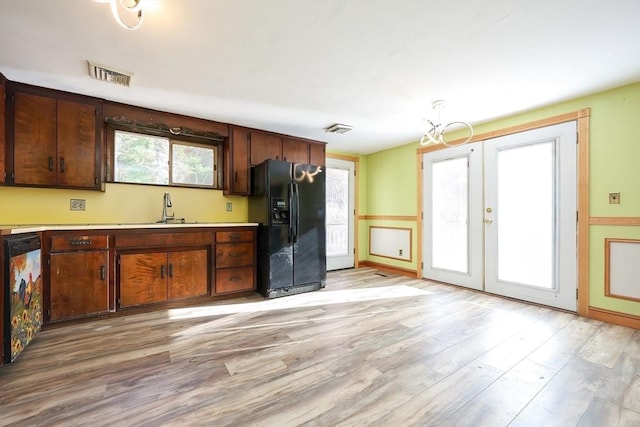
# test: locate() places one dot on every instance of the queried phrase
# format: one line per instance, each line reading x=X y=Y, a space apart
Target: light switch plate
x=229 y=207
x=78 y=204
x=614 y=198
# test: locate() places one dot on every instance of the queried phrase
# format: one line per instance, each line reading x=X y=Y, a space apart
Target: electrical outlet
x=614 y=198
x=399 y=252
x=229 y=207
x=78 y=204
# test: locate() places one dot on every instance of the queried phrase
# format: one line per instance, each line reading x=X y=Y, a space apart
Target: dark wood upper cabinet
x=3 y=147
x=317 y=155
x=295 y=150
x=264 y=146
x=56 y=140
x=237 y=169
x=34 y=140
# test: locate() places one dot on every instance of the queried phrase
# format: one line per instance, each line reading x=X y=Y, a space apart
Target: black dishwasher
x=23 y=293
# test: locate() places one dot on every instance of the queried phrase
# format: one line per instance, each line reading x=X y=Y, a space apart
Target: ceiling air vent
x=110 y=75
x=338 y=128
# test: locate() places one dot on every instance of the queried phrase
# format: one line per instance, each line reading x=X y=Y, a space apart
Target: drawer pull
x=235 y=254
x=235 y=236
x=235 y=278
x=81 y=242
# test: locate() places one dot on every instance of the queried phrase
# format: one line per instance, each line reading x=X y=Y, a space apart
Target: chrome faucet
x=166 y=204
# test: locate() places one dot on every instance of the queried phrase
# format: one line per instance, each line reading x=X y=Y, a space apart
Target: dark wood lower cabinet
x=235 y=261
x=92 y=273
x=78 y=276
x=79 y=285
x=147 y=278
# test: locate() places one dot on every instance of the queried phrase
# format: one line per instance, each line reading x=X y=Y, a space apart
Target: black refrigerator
x=288 y=203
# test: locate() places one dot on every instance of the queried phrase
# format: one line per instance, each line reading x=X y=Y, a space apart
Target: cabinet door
x=239 y=152
x=265 y=146
x=188 y=273
x=76 y=148
x=78 y=284
x=3 y=147
x=34 y=156
x=295 y=151
x=143 y=278
x=317 y=154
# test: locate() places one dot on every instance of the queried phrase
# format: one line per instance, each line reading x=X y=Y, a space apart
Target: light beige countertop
x=18 y=229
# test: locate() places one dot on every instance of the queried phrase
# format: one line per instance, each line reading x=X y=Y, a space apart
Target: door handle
x=488 y=221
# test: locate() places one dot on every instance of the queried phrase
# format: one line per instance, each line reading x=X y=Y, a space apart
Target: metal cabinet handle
x=103 y=272
x=62 y=166
x=235 y=254
x=162 y=271
x=234 y=278
x=236 y=178
x=81 y=242
x=170 y=270
x=50 y=164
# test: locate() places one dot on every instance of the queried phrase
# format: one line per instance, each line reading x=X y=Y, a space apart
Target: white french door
x=526 y=242
x=452 y=228
x=340 y=196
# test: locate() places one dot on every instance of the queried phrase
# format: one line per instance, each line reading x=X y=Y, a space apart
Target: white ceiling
x=296 y=67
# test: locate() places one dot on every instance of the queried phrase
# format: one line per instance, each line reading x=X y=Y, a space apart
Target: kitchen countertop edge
x=19 y=229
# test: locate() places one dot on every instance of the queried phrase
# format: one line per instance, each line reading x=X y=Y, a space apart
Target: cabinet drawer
x=234 y=280
x=234 y=236
x=141 y=240
x=79 y=243
x=234 y=254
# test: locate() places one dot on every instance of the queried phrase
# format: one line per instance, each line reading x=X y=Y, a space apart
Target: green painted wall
x=391 y=182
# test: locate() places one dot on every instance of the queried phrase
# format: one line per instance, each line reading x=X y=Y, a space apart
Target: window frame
x=216 y=146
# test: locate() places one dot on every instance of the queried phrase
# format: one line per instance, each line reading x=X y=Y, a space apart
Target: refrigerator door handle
x=295 y=217
x=292 y=214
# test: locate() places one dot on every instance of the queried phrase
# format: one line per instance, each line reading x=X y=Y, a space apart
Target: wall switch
x=229 y=207
x=78 y=204
x=614 y=198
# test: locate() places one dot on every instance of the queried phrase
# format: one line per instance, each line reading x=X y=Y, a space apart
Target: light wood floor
x=367 y=350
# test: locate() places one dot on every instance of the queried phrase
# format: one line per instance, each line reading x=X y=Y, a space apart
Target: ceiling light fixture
x=338 y=128
x=435 y=132
x=130 y=8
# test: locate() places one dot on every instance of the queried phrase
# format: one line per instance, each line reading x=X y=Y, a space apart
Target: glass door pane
x=526 y=215
x=337 y=193
x=450 y=212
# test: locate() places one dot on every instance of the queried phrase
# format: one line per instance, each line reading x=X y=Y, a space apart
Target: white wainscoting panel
x=390 y=242
x=623 y=275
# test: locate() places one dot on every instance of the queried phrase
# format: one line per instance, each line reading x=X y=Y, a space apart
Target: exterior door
x=340 y=195
x=500 y=216
x=452 y=239
x=530 y=216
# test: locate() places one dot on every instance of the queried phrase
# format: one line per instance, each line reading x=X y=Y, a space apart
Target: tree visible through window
x=147 y=159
